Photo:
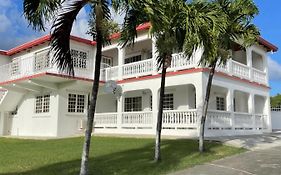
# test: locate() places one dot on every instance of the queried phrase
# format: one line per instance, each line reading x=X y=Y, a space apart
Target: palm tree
x=65 y=12
x=176 y=25
x=239 y=27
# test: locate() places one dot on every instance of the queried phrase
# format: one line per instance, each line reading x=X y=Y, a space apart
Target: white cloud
x=274 y=70
x=5 y=23
x=14 y=29
x=116 y=16
x=80 y=26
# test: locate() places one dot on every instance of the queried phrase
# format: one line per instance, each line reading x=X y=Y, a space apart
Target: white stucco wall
x=276 y=120
x=27 y=123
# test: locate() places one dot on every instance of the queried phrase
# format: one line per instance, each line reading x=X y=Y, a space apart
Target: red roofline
x=144 y=26
x=270 y=47
x=3 y=52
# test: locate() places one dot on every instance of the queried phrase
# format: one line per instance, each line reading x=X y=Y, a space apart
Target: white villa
x=36 y=99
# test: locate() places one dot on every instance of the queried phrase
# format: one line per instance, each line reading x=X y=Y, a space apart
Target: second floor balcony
x=41 y=63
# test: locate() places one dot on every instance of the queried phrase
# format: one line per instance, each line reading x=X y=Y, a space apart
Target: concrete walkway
x=252 y=142
x=261 y=162
x=264 y=158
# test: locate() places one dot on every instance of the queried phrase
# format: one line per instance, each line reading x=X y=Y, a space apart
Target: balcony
x=181 y=120
x=37 y=64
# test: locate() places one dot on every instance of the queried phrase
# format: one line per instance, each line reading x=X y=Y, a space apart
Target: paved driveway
x=259 y=162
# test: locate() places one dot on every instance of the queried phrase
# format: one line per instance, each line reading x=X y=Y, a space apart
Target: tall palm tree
x=64 y=13
x=239 y=28
x=177 y=26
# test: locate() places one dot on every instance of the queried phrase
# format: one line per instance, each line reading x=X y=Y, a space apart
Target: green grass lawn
x=109 y=155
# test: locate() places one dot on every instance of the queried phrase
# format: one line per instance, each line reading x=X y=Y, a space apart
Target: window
x=150 y=103
x=133 y=59
x=79 y=59
x=15 y=66
x=168 y=102
x=42 y=60
x=133 y=104
x=42 y=104
x=220 y=103
x=76 y=103
x=107 y=61
x=234 y=105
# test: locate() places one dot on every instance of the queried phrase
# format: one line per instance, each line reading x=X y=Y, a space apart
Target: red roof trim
x=42 y=40
x=144 y=26
x=28 y=45
x=47 y=73
x=269 y=46
x=3 y=52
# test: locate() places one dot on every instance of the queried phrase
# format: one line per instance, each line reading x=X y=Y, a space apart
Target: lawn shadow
x=175 y=154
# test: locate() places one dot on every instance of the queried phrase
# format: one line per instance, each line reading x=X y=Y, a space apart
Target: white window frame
x=44 y=105
x=108 y=61
x=133 y=104
x=77 y=108
x=133 y=55
x=41 y=63
x=220 y=103
x=80 y=63
x=168 y=96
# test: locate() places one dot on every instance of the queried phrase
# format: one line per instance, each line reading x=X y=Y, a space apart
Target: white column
x=267 y=112
x=230 y=106
x=121 y=57
x=251 y=104
x=251 y=108
x=265 y=65
x=155 y=98
x=1 y=123
x=154 y=56
x=250 y=61
x=120 y=104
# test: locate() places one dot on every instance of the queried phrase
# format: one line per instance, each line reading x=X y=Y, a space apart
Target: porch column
x=267 y=112
x=265 y=66
x=154 y=108
x=154 y=56
x=120 y=104
x=251 y=108
x=121 y=57
x=249 y=61
x=1 y=123
x=230 y=106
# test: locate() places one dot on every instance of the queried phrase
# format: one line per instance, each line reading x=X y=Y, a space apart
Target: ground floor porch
x=181 y=123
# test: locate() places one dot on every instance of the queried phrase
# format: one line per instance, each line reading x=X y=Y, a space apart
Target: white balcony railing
x=137 y=69
x=240 y=70
x=182 y=119
x=259 y=76
x=136 y=119
x=219 y=119
x=39 y=63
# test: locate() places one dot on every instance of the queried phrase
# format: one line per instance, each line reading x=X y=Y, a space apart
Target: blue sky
x=14 y=30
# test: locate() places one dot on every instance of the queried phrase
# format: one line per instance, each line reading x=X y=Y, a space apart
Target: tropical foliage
x=275 y=101
x=238 y=28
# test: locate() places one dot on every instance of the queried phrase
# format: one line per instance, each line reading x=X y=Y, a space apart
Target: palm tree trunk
x=157 y=156
x=84 y=170
x=205 y=107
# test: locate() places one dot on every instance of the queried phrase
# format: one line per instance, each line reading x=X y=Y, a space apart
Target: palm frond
x=60 y=35
x=39 y=12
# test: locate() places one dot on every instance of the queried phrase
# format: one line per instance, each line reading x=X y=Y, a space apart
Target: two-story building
x=36 y=99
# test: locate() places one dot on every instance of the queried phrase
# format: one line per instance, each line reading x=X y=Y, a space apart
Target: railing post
x=154 y=56
x=230 y=107
x=121 y=57
x=120 y=103
x=249 y=62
